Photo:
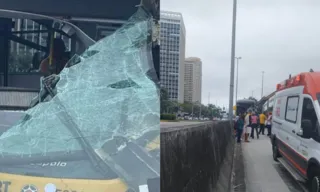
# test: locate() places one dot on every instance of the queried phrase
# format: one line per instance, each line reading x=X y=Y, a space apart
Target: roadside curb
x=238 y=170
x=233 y=169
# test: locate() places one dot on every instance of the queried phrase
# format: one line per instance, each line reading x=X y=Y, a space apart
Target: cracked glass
x=105 y=93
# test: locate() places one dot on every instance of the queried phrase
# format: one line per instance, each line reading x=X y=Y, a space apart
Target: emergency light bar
x=294 y=81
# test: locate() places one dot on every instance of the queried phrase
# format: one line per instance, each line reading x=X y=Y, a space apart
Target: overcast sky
x=276 y=36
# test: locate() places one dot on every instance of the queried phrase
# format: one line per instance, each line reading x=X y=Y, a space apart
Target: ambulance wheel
x=315 y=184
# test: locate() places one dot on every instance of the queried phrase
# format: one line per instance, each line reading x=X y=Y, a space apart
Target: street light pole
x=233 y=43
x=262 y=84
x=237 y=58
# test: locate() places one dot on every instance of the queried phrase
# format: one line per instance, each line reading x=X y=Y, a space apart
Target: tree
x=167 y=106
x=163 y=100
x=172 y=106
x=163 y=94
x=210 y=111
x=205 y=111
x=186 y=107
x=19 y=62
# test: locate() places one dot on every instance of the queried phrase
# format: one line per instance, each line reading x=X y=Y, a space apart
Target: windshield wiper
x=47 y=89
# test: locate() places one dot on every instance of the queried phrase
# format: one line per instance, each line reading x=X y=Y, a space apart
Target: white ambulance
x=295 y=134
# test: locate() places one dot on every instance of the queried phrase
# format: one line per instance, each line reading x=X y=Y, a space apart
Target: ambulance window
x=318 y=97
x=292 y=109
x=309 y=113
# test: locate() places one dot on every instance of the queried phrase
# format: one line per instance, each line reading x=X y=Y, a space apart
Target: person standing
x=247 y=126
x=239 y=127
x=254 y=125
x=263 y=119
x=58 y=59
x=269 y=123
x=235 y=124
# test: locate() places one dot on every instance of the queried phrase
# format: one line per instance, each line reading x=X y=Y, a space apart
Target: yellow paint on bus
x=15 y=183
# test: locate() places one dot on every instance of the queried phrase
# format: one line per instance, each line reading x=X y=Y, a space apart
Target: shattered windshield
x=105 y=94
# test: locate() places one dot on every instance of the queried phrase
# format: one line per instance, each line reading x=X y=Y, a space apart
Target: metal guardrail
x=16 y=98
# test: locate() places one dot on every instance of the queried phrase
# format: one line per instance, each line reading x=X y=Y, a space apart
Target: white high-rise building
x=193 y=80
x=172 y=54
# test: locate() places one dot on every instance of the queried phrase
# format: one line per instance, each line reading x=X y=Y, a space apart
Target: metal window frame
x=285 y=115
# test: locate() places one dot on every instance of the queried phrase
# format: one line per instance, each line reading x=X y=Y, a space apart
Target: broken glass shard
x=106 y=92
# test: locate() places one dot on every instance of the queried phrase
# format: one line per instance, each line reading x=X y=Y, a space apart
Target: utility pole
x=209 y=98
x=252 y=93
x=233 y=45
x=237 y=79
x=262 y=84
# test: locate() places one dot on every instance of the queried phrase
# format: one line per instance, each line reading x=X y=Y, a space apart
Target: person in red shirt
x=254 y=120
x=59 y=59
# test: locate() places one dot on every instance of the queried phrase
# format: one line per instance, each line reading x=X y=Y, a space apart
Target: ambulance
x=295 y=134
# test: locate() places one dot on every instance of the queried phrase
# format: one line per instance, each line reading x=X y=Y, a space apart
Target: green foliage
x=172 y=107
x=187 y=107
x=163 y=100
x=214 y=111
x=209 y=111
x=167 y=106
x=168 y=117
x=19 y=62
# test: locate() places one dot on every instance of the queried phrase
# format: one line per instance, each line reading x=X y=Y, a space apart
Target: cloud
x=279 y=37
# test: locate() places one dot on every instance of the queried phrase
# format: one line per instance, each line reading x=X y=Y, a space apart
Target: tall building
x=172 y=54
x=193 y=80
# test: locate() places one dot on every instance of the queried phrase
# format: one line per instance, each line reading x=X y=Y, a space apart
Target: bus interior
x=28 y=28
x=23 y=50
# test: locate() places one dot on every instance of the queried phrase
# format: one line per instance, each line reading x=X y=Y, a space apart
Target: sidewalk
x=260 y=169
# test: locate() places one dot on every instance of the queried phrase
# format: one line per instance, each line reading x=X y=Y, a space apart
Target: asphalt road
x=262 y=173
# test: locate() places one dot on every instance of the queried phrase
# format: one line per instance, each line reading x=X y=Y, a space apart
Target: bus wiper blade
x=47 y=88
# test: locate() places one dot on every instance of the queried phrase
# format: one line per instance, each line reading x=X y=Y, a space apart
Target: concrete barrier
x=197 y=157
